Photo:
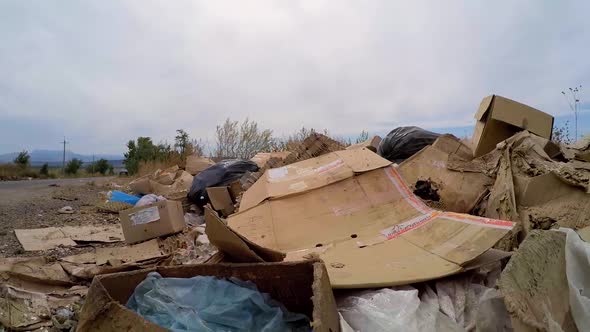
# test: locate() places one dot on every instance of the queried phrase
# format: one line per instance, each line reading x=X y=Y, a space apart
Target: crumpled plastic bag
x=577 y=269
x=205 y=303
x=149 y=199
x=389 y=310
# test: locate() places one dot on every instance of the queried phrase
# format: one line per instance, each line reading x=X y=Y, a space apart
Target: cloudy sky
x=104 y=72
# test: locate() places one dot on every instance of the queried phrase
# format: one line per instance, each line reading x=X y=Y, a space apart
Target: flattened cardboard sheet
x=369 y=228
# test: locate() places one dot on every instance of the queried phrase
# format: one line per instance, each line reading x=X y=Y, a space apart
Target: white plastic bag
x=149 y=199
x=577 y=268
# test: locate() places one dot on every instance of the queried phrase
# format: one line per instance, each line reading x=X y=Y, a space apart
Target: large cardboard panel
x=151 y=221
x=368 y=230
x=310 y=174
x=458 y=191
x=499 y=118
x=302 y=287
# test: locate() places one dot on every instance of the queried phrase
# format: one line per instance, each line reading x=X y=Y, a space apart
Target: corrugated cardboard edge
x=323 y=297
x=233 y=244
x=101 y=312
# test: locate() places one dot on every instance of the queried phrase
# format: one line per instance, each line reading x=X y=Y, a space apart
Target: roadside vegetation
x=233 y=140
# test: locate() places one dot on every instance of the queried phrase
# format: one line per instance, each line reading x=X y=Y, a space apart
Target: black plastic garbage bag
x=403 y=142
x=220 y=174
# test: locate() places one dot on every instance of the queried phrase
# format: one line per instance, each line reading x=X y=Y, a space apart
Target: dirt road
x=35 y=204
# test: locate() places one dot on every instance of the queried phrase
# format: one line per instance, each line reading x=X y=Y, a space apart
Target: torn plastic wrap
x=205 y=303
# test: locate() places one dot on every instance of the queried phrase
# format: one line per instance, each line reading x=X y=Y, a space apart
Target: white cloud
x=110 y=71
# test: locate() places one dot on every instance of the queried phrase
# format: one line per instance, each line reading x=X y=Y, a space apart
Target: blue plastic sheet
x=119 y=196
x=205 y=303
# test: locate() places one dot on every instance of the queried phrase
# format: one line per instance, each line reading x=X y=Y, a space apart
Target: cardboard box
x=499 y=118
x=221 y=200
x=303 y=287
x=531 y=191
x=354 y=211
x=151 y=221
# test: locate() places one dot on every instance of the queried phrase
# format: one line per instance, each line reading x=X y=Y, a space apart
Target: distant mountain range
x=54 y=157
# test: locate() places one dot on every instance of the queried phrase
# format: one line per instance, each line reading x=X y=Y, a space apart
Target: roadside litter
x=416 y=232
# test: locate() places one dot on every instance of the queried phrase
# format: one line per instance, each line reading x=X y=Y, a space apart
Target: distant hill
x=54 y=157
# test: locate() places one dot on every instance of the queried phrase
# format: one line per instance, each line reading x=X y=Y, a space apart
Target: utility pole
x=63 y=168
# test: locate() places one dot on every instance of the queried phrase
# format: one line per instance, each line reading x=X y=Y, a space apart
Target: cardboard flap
x=311 y=174
x=235 y=245
x=484 y=106
x=371 y=231
x=522 y=116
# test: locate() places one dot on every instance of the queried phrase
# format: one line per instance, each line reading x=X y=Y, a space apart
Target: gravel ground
x=36 y=205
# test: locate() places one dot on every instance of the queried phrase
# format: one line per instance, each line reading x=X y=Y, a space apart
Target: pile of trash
x=417 y=231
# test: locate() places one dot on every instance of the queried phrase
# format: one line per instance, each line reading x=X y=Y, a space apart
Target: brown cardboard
x=221 y=200
x=51 y=237
x=151 y=221
x=197 y=164
x=236 y=246
x=141 y=185
x=458 y=191
x=262 y=158
x=453 y=146
x=371 y=144
x=302 y=287
x=369 y=228
x=531 y=191
x=499 y=118
x=310 y=174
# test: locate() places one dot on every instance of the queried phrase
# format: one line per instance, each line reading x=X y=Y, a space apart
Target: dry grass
x=14 y=172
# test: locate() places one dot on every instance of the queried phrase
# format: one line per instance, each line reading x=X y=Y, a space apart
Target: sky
x=103 y=72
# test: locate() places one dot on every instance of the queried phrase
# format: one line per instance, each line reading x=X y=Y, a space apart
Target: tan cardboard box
x=302 y=287
x=499 y=118
x=151 y=221
x=221 y=200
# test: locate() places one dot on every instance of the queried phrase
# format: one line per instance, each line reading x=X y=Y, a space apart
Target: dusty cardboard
x=151 y=221
x=51 y=237
x=371 y=144
x=133 y=253
x=236 y=246
x=369 y=228
x=303 y=287
x=458 y=191
x=141 y=185
x=196 y=164
x=499 y=118
x=262 y=158
x=310 y=174
x=221 y=200
x=540 y=189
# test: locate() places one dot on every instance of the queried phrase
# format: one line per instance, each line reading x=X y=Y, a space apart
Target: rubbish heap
x=414 y=232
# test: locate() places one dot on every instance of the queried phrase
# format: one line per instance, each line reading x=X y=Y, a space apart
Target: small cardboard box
x=221 y=200
x=151 y=221
x=499 y=118
x=303 y=287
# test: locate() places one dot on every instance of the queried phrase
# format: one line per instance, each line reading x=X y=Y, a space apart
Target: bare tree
x=573 y=102
x=235 y=140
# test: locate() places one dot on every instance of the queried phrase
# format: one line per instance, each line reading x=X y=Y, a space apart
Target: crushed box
x=302 y=287
x=151 y=221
